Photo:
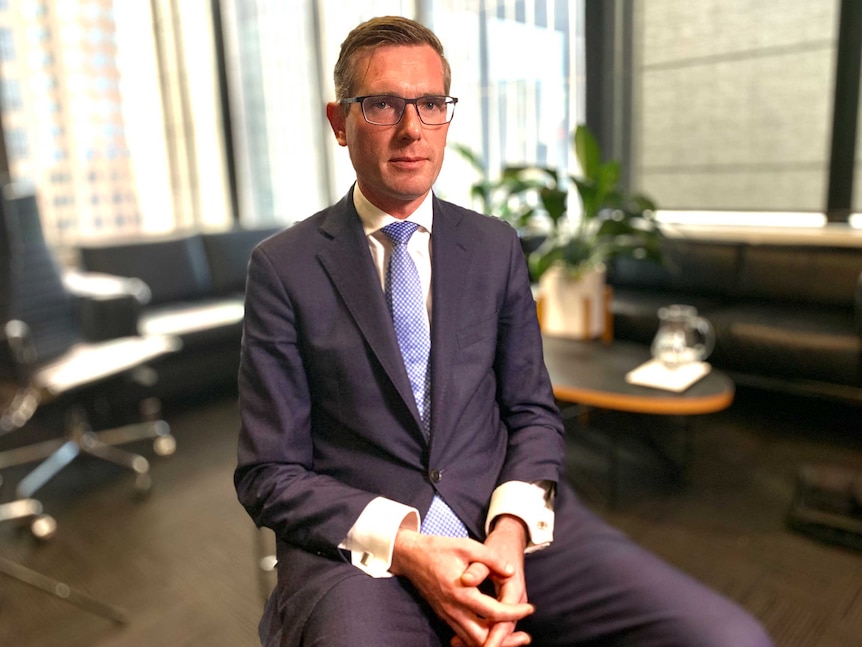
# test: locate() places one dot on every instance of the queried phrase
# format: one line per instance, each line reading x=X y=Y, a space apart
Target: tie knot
x=400 y=232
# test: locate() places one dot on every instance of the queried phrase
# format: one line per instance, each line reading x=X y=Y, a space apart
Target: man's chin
x=410 y=191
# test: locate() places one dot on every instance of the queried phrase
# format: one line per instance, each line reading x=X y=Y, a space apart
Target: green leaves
x=597 y=186
x=587 y=151
x=612 y=222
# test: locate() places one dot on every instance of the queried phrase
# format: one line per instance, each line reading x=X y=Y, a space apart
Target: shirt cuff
x=532 y=503
x=371 y=540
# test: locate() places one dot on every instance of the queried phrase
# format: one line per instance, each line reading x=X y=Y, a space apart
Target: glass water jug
x=682 y=336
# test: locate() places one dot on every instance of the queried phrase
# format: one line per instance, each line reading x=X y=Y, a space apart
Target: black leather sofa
x=786 y=317
x=195 y=285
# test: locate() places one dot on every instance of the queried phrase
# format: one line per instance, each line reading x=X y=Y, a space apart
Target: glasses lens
x=435 y=110
x=383 y=110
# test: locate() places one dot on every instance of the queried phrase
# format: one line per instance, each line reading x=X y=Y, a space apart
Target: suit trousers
x=592 y=586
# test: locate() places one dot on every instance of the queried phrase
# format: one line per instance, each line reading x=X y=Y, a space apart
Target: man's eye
x=433 y=105
x=380 y=104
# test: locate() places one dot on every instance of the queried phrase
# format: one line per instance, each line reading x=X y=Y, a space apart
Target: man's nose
x=410 y=123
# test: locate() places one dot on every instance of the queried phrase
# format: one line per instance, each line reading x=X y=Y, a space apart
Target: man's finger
x=492 y=610
x=485 y=563
x=500 y=635
x=475 y=574
x=504 y=635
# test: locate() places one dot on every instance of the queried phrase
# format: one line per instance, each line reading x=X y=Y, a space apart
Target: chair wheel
x=43 y=527
x=143 y=483
x=165 y=445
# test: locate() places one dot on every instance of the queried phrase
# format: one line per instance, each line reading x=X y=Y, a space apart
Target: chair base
x=57 y=454
x=62 y=591
x=42 y=526
x=81 y=439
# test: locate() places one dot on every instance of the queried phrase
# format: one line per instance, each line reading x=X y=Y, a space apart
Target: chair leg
x=47 y=469
x=42 y=526
x=80 y=438
x=61 y=590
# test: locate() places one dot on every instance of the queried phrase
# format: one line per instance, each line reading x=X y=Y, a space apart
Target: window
x=133 y=90
x=7 y=46
x=515 y=110
x=17 y=144
x=732 y=103
x=10 y=94
x=510 y=108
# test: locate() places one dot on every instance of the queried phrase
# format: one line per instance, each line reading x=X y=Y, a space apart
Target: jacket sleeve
x=536 y=448
x=274 y=478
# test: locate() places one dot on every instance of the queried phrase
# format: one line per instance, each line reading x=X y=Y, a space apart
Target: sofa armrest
x=96 y=285
x=108 y=306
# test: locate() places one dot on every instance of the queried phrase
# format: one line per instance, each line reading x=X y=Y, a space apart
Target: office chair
x=44 y=360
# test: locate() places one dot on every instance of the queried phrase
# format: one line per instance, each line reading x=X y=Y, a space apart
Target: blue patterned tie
x=407 y=305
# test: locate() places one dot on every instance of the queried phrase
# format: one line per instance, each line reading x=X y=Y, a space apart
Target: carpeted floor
x=182 y=561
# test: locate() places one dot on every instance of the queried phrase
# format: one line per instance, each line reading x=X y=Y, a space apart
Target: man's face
x=395 y=165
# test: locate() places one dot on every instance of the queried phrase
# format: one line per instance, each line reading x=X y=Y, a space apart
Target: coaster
x=657 y=375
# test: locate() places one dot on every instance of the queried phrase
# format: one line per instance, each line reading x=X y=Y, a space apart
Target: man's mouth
x=407 y=161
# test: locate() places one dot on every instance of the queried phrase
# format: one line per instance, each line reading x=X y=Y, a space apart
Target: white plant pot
x=570 y=307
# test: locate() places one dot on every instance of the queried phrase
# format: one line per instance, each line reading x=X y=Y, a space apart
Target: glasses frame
x=453 y=101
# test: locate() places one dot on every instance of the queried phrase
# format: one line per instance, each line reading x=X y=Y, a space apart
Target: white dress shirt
x=372 y=538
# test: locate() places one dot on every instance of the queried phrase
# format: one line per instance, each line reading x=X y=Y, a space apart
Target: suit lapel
x=348 y=262
x=450 y=258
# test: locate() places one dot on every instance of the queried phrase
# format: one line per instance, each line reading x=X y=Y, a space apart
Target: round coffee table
x=593 y=374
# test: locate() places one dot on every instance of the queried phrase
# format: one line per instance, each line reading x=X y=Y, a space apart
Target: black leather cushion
x=697 y=267
x=630 y=272
x=790 y=341
x=801 y=274
x=228 y=253
x=702 y=267
x=173 y=269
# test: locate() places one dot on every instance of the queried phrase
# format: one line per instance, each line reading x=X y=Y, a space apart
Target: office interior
x=179 y=123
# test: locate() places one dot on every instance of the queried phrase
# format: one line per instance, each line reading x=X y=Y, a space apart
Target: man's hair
x=385 y=30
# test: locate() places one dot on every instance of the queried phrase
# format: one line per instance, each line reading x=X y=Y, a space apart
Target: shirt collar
x=373 y=219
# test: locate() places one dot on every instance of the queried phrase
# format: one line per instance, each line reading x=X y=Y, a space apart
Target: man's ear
x=335 y=115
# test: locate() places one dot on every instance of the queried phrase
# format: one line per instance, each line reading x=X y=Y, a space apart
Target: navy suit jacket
x=328 y=417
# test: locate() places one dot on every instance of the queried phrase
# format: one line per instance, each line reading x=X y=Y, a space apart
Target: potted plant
x=505 y=197
x=570 y=263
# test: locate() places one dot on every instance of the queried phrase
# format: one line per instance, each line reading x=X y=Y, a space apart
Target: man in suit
x=352 y=460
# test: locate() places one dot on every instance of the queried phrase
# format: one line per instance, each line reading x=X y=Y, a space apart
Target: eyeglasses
x=387 y=110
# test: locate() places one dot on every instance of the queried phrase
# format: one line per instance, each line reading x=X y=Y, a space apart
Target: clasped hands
x=447 y=572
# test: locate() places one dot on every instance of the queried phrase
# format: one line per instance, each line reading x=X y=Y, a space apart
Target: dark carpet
x=181 y=562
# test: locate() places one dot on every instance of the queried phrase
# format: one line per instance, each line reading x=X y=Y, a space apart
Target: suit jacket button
x=435 y=476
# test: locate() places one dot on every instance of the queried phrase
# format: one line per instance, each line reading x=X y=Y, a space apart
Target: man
x=354 y=443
